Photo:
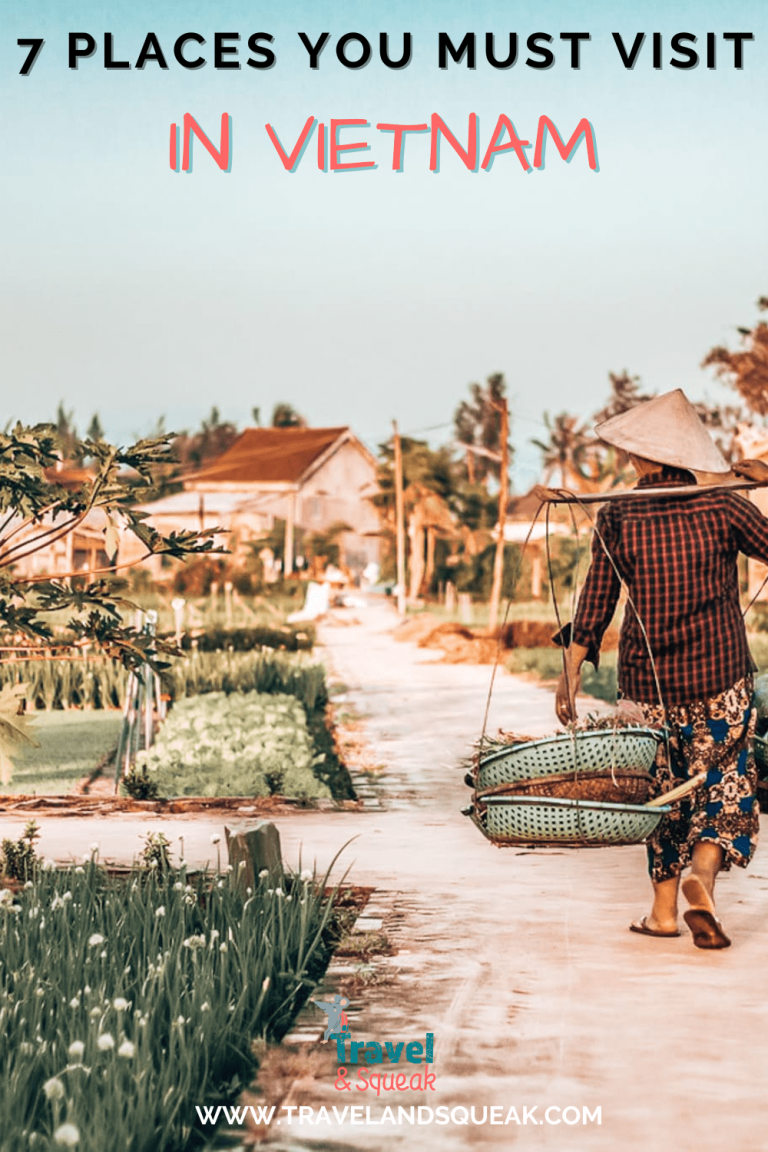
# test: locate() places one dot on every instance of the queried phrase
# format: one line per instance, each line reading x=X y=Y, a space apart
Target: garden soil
x=519 y=962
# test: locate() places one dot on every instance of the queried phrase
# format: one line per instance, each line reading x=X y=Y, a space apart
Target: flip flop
x=707 y=930
x=644 y=929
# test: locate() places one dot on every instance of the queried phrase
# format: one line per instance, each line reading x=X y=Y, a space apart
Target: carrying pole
x=399 y=519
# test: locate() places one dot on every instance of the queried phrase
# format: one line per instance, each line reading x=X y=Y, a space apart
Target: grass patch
x=538 y=610
x=71 y=745
x=547 y=664
x=758 y=646
x=364 y=945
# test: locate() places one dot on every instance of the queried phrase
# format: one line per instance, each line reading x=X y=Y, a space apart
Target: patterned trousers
x=711 y=735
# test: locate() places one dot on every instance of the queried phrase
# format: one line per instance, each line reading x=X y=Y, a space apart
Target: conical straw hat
x=666 y=430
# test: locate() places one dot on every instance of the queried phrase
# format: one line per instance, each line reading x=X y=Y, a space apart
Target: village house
x=79 y=550
x=522 y=527
x=310 y=478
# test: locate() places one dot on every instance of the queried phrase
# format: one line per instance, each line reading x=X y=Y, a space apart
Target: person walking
x=683 y=655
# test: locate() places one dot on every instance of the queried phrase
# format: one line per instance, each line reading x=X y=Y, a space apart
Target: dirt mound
x=416 y=628
x=437 y=634
x=528 y=634
x=539 y=633
x=460 y=644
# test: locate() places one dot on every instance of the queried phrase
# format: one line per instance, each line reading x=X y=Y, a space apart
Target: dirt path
x=521 y=963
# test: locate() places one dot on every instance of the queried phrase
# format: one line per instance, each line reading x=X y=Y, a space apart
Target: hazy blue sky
x=137 y=292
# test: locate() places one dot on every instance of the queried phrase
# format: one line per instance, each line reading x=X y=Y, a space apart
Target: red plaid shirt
x=677 y=557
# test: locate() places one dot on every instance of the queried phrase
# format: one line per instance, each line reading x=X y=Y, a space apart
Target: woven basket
x=536 y=820
x=601 y=750
x=621 y=787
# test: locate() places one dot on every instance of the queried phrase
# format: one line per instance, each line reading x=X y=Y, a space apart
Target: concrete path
x=519 y=963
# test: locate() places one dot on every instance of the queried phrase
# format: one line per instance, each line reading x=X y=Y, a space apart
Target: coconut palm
x=477 y=426
x=564 y=453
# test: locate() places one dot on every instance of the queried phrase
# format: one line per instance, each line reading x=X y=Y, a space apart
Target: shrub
x=247 y=639
x=20 y=859
x=139 y=785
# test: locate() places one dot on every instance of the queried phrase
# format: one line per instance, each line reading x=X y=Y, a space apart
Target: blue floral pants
x=715 y=736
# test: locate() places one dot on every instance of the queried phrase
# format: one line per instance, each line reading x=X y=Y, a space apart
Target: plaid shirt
x=677 y=557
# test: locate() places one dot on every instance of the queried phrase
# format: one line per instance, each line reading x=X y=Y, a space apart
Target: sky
x=359 y=297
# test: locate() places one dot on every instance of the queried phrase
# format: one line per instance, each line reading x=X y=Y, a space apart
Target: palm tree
x=94 y=430
x=626 y=392
x=66 y=433
x=566 y=449
x=477 y=426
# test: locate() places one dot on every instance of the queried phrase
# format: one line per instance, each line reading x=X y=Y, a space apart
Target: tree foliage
x=37 y=510
x=286 y=416
x=745 y=370
x=193 y=449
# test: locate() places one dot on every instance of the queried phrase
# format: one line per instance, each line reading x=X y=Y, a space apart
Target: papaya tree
x=42 y=504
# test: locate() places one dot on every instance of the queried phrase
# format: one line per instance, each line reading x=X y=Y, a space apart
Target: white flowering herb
x=67 y=1136
x=54 y=1089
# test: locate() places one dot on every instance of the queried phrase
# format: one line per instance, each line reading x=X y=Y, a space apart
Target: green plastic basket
x=599 y=750
x=546 y=820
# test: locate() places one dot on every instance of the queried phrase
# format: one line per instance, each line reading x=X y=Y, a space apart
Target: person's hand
x=754 y=470
x=565 y=700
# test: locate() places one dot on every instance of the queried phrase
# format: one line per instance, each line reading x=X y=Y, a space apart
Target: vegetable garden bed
x=125 y=1002
x=238 y=744
x=301 y=760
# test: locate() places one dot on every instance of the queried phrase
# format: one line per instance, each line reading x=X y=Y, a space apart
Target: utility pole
x=399 y=520
x=498 y=563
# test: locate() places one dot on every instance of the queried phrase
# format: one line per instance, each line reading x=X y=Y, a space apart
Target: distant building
x=522 y=527
x=79 y=550
x=311 y=478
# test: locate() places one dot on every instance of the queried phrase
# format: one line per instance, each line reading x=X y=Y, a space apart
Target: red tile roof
x=269 y=455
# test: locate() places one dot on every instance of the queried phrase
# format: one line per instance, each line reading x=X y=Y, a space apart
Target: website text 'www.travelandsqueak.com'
x=362 y=1114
